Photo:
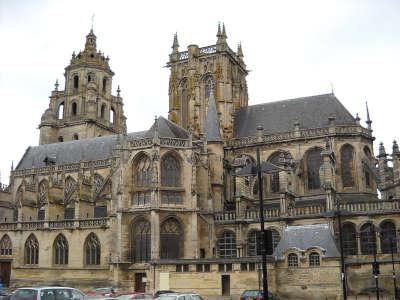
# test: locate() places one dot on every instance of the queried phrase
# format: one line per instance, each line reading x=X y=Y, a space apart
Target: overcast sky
x=292 y=48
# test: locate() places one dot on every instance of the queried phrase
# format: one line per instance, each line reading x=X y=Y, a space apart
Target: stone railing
x=208 y=49
x=300 y=134
x=56 y=224
x=313 y=210
x=102 y=163
x=140 y=143
x=174 y=142
x=374 y=206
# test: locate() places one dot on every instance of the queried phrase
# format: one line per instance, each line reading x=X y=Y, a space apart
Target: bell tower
x=85 y=108
x=198 y=70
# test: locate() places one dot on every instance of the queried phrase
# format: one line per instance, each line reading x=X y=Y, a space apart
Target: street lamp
x=259 y=169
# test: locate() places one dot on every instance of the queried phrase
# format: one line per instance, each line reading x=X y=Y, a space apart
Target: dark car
x=256 y=295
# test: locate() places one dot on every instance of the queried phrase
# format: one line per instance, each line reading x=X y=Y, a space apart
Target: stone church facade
x=167 y=208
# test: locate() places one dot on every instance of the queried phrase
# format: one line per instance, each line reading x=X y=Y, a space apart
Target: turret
x=368 y=121
x=85 y=108
x=396 y=162
x=382 y=165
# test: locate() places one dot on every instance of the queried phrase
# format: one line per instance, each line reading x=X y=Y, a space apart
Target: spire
x=90 y=44
x=368 y=118
x=12 y=165
x=118 y=91
x=395 y=148
x=212 y=122
x=175 y=44
x=382 y=151
x=224 y=31
x=56 y=85
x=240 y=51
x=221 y=35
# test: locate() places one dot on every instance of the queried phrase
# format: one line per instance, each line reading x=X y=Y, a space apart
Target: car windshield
x=167 y=297
x=124 y=297
x=196 y=297
x=24 y=294
x=251 y=293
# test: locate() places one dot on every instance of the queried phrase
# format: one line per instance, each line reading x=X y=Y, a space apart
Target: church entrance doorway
x=140 y=282
x=226 y=285
x=5 y=272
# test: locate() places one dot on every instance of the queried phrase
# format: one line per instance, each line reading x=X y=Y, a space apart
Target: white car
x=47 y=293
x=180 y=296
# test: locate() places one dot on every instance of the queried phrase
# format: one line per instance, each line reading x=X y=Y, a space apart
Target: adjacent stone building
x=167 y=208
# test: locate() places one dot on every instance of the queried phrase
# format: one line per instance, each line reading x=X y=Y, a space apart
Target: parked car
x=255 y=295
x=4 y=295
x=47 y=293
x=160 y=292
x=105 y=292
x=135 y=295
x=180 y=296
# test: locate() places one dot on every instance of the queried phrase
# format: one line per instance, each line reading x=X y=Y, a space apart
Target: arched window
x=74 y=109
x=388 y=237
x=208 y=86
x=276 y=159
x=349 y=236
x=314 y=163
x=31 y=250
x=314 y=259
x=293 y=260
x=76 y=81
x=171 y=243
x=170 y=171
x=5 y=245
x=112 y=115
x=143 y=178
x=170 y=177
x=76 y=137
x=60 y=250
x=103 y=111
x=92 y=250
x=60 y=139
x=43 y=198
x=367 y=172
x=141 y=241
x=255 y=242
x=367 y=239
x=97 y=184
x=90 y=77
x=347 y=165
x=60 y=113
x=183 y=88
x=227 y=245
x=104 y=84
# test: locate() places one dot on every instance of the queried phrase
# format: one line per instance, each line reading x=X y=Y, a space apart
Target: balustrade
x=55 y=224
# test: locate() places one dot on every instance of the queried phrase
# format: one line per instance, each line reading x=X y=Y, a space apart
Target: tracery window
x=388 y=237
x=31 y=250
x=209 y=85
x=293 y=260
x=367 y=239
x=349 y=239
x=60 y=250
x=5 y=245
x=314 y=163
x=255 y=242
x=170 y=177
x=367 y=173
x=43 y=198
x=314 y=259
x=171 y=243
x=70 y=188
x=143 y=178
x=92 y=250
x=97 y=184
x=141 y=241
x=276 y=159
x=227 y=244
x=347 y=165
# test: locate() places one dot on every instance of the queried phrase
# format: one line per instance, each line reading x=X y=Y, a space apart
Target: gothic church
x=167 y=208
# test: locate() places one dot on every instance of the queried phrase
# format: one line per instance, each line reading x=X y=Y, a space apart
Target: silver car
x=47 y=293
x=180 y=296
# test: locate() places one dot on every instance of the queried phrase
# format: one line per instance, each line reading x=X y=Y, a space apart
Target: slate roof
x=212 y=129
x=167 y=128
x=280 y=116
x=92 y=149
x=305 y=237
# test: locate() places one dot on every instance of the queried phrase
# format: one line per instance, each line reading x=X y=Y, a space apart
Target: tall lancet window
x=183 y=88
x=347 y=165
x=209 y=85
